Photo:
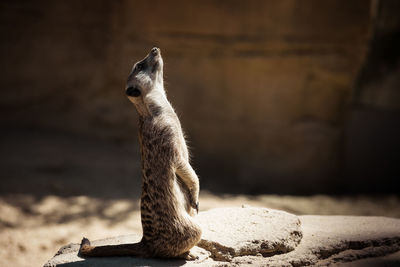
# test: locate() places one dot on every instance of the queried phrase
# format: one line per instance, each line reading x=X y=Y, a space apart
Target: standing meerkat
x=170 y=187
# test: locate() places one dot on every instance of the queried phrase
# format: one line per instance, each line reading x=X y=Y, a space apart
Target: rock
x=232 y=232
x=68 y=256
x=229 y=234
x=338 y=239
x=391 y=260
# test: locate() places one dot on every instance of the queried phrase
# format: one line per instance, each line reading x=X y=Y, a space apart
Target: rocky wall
x=261 y=87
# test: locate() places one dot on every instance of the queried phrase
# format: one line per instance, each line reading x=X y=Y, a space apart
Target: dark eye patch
x=133 y=91
x=140 y=66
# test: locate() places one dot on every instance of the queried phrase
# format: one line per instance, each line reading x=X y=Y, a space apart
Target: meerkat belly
x=166 y=200
x=163 y=208
x=164 y=204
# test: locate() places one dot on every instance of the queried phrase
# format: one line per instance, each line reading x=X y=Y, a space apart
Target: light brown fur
x=170 y=187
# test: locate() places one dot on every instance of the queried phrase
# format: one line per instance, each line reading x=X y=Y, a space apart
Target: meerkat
x=170 y=186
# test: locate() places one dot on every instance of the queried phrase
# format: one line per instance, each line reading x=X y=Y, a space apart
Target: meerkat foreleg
x=189 y=177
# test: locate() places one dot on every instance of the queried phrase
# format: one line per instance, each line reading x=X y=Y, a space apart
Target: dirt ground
x=56 y=188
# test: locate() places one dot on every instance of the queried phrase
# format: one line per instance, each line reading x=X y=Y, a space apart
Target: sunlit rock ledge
x=260 y=236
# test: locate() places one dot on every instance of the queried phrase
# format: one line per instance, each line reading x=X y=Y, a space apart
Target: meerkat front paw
x=194 y=202
x=195 y=205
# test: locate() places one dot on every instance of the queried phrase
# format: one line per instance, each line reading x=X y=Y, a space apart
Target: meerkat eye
x=140 y=66
x=133 y=91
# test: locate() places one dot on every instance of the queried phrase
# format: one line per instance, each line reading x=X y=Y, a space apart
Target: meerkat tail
x=87 y=250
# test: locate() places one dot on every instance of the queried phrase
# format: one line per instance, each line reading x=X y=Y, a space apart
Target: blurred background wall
x=292 y=96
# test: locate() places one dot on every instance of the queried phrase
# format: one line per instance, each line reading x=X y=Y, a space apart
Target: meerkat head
x=145 y=82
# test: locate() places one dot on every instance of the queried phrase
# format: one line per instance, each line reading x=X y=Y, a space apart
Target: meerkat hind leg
x=85 y=245
x=189 y=256
x=87 y=250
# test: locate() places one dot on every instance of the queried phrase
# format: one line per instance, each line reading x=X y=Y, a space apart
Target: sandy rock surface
x=233 y=232
x=68 y=256
x=227 y=233
x=337 y=240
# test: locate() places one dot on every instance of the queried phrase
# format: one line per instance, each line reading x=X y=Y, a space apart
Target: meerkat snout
x=155 y=51
x=132 y=91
